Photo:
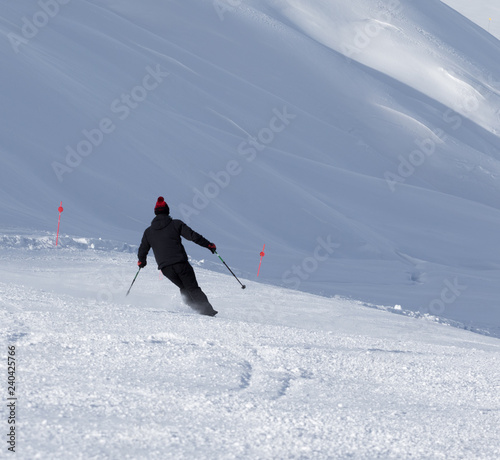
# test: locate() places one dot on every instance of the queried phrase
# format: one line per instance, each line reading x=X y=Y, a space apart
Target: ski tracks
x=267 y=372
x=262 y=379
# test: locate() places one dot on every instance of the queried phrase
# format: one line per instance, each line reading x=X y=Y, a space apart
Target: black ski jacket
x=164 y=236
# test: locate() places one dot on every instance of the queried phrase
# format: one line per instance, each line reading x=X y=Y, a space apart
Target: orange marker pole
x=60 y=209
x=262 y=254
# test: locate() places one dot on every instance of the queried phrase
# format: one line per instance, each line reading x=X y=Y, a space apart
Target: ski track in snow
x=143 y=377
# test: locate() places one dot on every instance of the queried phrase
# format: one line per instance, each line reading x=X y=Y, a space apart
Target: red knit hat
x=161 y=207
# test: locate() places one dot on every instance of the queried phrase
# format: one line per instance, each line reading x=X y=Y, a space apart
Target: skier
x=164 y=236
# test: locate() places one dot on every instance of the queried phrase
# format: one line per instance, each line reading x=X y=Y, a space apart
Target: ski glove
x=141 y=264
x=212 y=247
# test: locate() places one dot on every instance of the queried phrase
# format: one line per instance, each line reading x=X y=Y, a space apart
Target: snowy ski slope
x=278 y=374
x=358 y=140
x=371 y=126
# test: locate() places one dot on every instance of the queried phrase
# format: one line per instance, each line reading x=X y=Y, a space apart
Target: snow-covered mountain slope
x=278 y=374
x=358 y=140
x=484 y=13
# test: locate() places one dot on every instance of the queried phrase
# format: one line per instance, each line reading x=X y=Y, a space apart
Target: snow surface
x=358 y=140
x=340 y=96
x=278 y=374
x=483 y=12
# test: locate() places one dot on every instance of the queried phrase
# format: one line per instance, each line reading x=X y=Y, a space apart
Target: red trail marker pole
x=261 y=257
x=60 y=209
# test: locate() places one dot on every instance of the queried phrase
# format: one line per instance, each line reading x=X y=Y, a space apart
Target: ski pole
x=133 y=282
x=242 y=285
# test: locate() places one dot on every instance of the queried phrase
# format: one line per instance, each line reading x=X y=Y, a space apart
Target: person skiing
x=164 y=236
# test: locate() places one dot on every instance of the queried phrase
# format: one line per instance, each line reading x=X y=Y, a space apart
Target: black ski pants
x=182 y=275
